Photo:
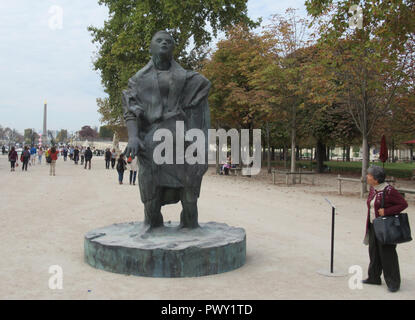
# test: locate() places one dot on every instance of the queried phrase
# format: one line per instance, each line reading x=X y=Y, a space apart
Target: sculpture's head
x=162 y=46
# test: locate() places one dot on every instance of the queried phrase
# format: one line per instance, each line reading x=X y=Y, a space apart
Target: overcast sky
x=43 y=57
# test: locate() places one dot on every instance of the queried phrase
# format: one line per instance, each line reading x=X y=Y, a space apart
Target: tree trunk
x=365 y=162
x=293 y=138
x=269 y=150
x=217 y=152
x=320 y=155
x=348 y=154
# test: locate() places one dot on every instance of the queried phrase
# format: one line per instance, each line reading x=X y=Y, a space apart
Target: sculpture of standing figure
x=158 y=96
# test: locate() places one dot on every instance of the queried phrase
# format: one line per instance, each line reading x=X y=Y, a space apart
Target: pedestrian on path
x=113 y=158
x=107 y=158
x=121 y=167
x=65 y=153
x=40 y=154
x=33 y=152
x=88 y=157
x=82 y=155
x=53 y=153
x=76 y=155
x=13 y=158
x=24 y=158
x=132 y=165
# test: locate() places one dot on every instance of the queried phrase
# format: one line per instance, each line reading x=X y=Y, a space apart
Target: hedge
x=397 y=170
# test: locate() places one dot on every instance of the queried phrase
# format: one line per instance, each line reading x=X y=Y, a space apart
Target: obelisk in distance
x=45 y=132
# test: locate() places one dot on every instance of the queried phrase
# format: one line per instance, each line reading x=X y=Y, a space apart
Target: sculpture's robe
x=187 y=102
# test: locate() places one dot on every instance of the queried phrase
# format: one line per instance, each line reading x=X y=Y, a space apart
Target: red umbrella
x=383 y=155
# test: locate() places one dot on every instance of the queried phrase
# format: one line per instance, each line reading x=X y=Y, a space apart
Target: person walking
x=71 y=150
x=107 y=158
x=13 y=159
x=24 y=158
x=82 y=155
x=76 y=155
x=65 y=153
x=383 y=257
x=113 y=158
x=121 y=167
x=132 y=166
x=39 y=155
x=33 y=152
x=53 y=153
x=88 y=157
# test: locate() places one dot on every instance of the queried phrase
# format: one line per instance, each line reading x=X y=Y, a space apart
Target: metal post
x=331 y=273
x=333 y=213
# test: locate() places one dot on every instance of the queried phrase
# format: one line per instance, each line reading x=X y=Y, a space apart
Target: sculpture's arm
x=132 y=113
x=201 y=91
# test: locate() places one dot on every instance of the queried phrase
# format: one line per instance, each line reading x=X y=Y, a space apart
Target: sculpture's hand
x=134 y=146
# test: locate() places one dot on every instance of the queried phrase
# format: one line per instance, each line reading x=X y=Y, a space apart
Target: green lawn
x=397 y=169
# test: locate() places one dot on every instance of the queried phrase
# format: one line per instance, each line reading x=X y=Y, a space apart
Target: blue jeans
x=120 y=176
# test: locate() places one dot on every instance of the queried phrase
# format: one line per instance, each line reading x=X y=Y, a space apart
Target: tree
x=106 y=132
x=87 y=132
x=291 y=36
x=12 y=136
x=124 y=40
x=30 y=137
x=368 y=63
x=237 y=98
x=62 y=136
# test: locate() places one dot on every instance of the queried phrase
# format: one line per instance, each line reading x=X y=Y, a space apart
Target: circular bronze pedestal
x=168 y=251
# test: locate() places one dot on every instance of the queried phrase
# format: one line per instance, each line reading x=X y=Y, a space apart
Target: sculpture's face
x=162 y=45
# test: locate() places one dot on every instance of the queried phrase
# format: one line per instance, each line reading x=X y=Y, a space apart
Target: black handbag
x=392 y=229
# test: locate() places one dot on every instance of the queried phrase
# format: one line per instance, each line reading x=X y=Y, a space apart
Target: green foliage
x=62 y=136
x=106 y=132
x=397 y=170
x=125 y=38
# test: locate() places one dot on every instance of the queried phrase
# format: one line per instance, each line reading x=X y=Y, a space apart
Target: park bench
x=288 y=174
x=340 y=179
x=402 y=191
x=235 y=171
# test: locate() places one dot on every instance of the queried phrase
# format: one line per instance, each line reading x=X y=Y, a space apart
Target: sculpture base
x=169 y=251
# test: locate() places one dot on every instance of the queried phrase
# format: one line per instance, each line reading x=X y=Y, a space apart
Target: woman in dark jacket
x=13 y=158
x=121 y=167
x=383 y=257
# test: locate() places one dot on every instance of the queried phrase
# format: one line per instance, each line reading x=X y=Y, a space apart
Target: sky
x=46 y=54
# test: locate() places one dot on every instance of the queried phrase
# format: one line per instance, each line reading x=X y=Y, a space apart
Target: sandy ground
x=43 y=221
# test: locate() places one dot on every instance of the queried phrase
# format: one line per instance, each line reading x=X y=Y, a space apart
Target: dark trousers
x=24 y=166
x=86 y=162
x=112 y=163
x=133 y=176
x=383 y=257
x=107 y=164
x=120 y=176
x=13 y=164
x=82 y=159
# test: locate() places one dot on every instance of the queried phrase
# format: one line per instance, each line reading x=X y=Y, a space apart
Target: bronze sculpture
x=158 y=97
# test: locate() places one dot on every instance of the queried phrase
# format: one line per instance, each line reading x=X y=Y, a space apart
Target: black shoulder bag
x=392 y=229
